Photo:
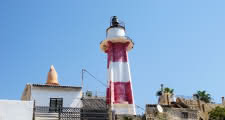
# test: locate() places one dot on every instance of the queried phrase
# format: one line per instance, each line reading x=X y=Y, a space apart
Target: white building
x=52 y=94
x=16 y=110
x=51 y=98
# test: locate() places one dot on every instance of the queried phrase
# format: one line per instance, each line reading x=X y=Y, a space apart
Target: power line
x=140 y=107
x=84 y=70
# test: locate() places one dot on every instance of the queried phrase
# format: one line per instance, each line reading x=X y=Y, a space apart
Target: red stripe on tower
x=119 y=93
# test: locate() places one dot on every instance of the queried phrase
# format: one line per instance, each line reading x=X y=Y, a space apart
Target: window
x=55 y=104
x=184 y=114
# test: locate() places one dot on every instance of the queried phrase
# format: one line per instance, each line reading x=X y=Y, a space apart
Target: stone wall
x=170 y=113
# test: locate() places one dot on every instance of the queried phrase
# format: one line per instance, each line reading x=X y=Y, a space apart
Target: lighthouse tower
x=119 y=90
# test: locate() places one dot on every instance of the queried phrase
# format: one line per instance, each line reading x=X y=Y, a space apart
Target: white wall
x=16 y=110
x=42 y=95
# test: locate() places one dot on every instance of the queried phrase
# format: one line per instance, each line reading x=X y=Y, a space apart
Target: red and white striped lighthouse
x=119 y=91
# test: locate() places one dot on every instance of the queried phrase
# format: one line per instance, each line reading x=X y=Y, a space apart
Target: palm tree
x=202 y=95
x=165 y=95
x=168 y=90
x=165 y=90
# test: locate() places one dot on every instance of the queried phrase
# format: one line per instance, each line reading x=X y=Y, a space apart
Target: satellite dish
x=159 y=108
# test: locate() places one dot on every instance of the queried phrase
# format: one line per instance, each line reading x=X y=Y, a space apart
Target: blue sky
x=179 y=43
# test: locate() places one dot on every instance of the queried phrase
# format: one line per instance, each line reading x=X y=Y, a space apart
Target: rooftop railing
x=69 y=113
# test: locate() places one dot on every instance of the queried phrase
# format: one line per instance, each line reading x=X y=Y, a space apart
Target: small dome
x=52 y=77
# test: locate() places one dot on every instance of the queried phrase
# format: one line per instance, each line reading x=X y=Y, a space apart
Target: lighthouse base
x=124 y=109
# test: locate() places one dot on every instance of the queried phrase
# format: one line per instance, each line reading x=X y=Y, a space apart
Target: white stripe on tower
x=119 y=72
x=119 y=92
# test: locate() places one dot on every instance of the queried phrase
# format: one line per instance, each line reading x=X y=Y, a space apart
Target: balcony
x=69 y=113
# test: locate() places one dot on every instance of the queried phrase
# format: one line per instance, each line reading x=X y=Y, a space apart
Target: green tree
x=168 y=90
x=217 y=113
x=165 y=90
x=204 y=96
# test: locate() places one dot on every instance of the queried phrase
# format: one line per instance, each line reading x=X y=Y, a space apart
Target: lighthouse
x=119 y=95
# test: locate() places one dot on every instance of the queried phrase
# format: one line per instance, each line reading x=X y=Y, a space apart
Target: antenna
x=82 y=77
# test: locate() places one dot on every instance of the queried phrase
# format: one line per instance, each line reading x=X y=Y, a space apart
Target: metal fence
x=68 y=113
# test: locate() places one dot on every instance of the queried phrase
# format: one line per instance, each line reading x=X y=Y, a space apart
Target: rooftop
x=55 y=86
x=94 y=103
